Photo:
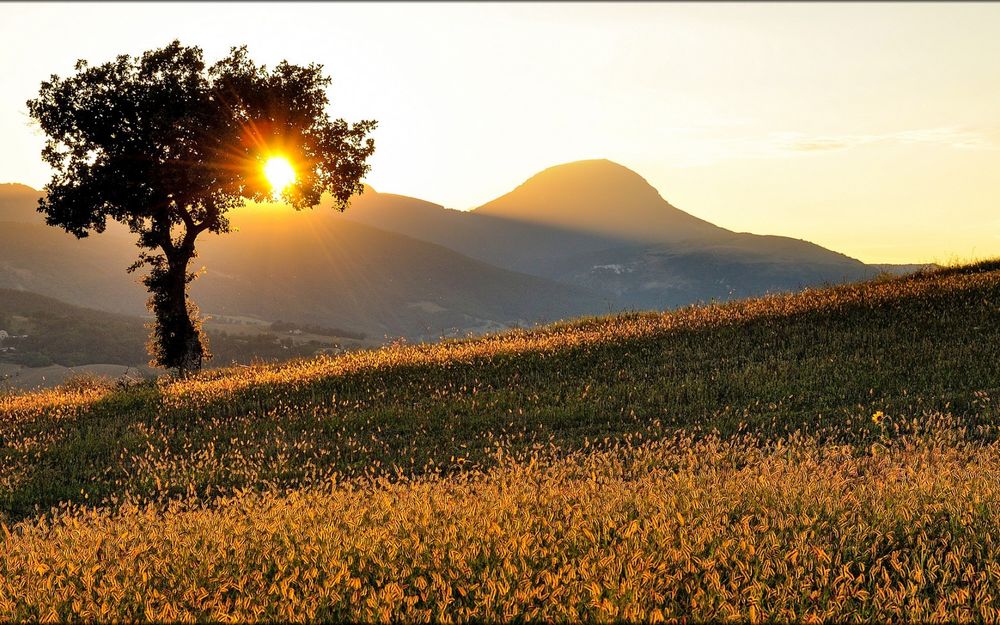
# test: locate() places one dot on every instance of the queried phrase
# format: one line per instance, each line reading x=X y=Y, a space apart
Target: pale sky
x=871 y=129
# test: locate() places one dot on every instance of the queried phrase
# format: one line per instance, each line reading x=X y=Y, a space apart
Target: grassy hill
x=829 y=454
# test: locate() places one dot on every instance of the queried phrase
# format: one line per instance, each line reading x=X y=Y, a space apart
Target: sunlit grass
x=783 y=457
x=703 y=527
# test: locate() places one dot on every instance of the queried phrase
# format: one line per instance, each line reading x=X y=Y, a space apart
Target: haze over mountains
x=599 y=225
x=580 y=238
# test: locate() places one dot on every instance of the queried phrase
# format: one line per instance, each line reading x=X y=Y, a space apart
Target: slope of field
x=829 y=454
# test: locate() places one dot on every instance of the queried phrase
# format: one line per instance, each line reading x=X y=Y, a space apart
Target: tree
x=168 y=146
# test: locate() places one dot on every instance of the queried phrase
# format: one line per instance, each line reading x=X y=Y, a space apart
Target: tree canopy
x=168 y=145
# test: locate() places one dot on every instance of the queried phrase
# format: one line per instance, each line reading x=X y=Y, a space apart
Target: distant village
x=6 y=337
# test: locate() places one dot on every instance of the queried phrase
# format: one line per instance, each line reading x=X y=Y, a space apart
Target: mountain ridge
x=653 y=250
x=574 y=239
x=300 y=267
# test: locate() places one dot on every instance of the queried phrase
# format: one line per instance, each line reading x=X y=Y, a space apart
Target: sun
x=279 y=173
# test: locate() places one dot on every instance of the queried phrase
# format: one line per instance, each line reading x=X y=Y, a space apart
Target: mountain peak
x=594 y=175
x=600 y=196
x=18 y=188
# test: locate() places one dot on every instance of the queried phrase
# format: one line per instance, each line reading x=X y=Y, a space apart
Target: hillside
x=787 y=433
x=59 y=333
x=575 y=239
x=53 y=340
x=86 y=272
x=314 y=269
x=18 y=203
x=599 y=197
x=780 y=363
x=598 y=225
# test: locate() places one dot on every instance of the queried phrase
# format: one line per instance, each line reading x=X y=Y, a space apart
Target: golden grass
x=215 y=385
x=891 y=520
x=707 y=529
x=211 y=386
x=53 y=402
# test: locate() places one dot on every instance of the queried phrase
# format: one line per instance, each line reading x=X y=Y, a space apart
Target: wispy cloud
x=707 y=150
x=820 y=144
x=953 y=137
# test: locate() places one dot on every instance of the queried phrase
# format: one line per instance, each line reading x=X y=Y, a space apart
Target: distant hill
x=309 y=266
x=598 y=197
x=524 y=246
x=599 y=225
x=48 y=340
x=86 y=272
x=303 y=267
x=578 y=238
x=18 y=203
x=62 y=334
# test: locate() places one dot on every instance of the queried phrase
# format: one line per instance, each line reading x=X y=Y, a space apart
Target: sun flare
x=279 y=173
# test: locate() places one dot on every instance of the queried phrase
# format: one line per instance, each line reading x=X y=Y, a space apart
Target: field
x=825 y=455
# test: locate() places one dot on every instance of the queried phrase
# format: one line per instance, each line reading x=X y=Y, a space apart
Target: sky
x=871 y=129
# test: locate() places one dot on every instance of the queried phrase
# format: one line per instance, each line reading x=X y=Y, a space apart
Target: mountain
x=49 y=331
x=598 y=225
x=46 y=340
x=86 y=272
x=578 y=238
x=310 y=267
x=18 y=203
x=598 y=197
x=304 y=267
x=523 y=246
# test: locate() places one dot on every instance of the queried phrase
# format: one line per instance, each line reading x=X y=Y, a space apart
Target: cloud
x=946 y=136
x=819 y=145
x=694 y=147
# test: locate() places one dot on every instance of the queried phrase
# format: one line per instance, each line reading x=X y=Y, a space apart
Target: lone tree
x=168 y=146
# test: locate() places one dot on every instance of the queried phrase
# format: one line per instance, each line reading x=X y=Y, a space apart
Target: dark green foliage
x=168 y=146
x=177 y=340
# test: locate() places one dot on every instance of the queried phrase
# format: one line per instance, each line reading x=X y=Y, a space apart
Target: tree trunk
x=177 y=341
x=188 y=336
